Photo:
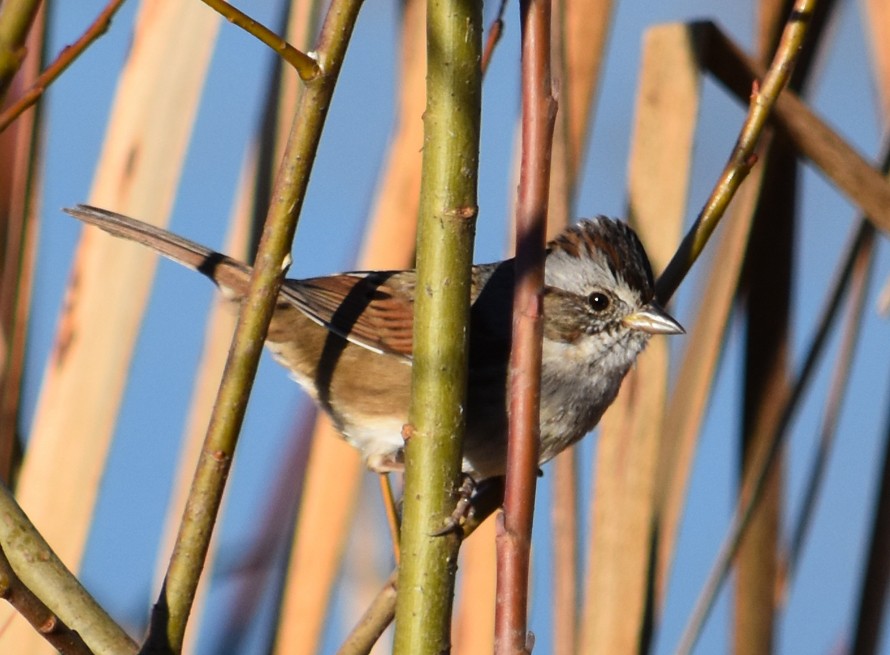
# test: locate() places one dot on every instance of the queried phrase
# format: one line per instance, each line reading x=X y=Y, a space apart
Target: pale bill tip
x=654 y=320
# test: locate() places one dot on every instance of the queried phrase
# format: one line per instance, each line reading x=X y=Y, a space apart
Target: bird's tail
x=229 y=274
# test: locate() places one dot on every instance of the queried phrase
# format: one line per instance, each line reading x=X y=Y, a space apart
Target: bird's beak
x=654 y=320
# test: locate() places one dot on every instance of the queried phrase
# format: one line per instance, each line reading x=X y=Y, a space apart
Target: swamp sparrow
x=347 y=338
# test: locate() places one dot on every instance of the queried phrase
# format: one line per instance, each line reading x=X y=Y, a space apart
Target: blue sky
x=120 y=560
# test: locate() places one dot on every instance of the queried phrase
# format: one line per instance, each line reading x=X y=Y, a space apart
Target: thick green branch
x=439 y=373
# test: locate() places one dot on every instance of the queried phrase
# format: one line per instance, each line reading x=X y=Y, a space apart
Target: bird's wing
x=374 y=310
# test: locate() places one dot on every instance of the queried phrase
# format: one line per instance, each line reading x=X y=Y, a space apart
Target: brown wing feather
x=373 y=310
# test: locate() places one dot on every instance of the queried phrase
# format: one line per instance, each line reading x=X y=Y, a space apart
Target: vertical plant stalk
x=434 y=435
x=873 y=596
x=515 y=523
x=632 y=449
x=578 y=47
x=170 y=614
x=325 y=515
x=20 y=187
x=16 y=17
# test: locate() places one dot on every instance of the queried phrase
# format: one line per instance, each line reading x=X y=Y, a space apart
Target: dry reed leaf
x=877 y=25
x=814 y=139
x=587 y=25
x=771 y=15
x=473 y=626
x=324 y=519
x=695 y=378
x=578 y=49
x=139 y=169
x=618 y=597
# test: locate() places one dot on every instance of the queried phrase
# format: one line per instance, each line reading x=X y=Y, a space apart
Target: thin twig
x=515 y=523
x=763 y=98
x=381 y=611
x=392 y=514
x=374 y=621
x=69 y=53
x=307 y=67
x=495 y=32
x=170 y=614
x=813 y=137
x=48 y=625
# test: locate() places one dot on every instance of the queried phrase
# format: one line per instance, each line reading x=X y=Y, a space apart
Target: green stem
x=170 y=614
x=439 y=373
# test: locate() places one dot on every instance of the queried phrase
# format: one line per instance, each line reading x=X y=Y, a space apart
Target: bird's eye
x=599 y=302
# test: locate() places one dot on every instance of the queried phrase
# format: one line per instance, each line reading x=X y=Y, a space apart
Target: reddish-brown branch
x=495 y=32
x=47 y=624
x=515 y=524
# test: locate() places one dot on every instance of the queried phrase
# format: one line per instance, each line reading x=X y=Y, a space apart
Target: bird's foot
x=463 y=510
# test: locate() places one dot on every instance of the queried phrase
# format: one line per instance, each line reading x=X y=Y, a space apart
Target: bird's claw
x=463 y=510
